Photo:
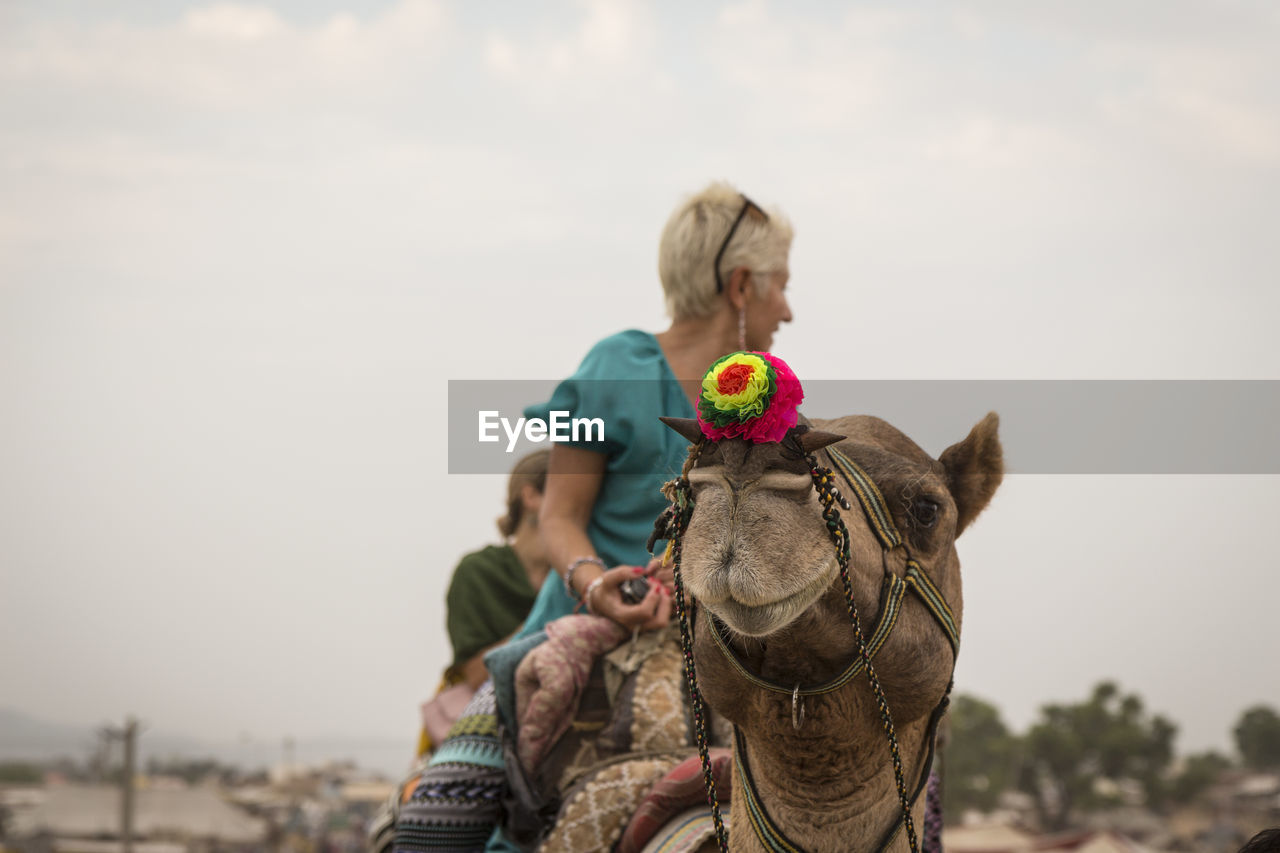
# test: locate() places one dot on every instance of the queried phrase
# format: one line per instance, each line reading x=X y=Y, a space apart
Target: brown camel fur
x=758 y=556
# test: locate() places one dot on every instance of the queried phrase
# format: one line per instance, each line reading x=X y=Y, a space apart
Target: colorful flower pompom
x=749 y=395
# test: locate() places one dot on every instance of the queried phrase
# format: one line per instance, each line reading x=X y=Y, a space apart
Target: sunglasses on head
x=747 y=204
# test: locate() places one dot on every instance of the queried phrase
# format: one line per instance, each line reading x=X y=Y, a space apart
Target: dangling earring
x=742 y=328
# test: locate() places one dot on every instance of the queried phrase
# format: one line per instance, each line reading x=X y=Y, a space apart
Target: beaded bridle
x=673 y=524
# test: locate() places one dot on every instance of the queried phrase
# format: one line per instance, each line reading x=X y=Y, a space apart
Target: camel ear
x=687 y=427
x=975 y=468
x=813 y=440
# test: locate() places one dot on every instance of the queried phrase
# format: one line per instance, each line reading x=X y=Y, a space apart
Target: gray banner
x=1047 y=426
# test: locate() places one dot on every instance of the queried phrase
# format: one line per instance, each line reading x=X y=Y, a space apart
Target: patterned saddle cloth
x=584 y=734
x=603 y=720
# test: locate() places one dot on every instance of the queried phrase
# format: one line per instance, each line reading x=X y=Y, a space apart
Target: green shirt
x=489 y=598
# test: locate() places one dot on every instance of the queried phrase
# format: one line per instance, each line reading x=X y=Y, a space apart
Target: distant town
x=1097 y=776
x=62 y=791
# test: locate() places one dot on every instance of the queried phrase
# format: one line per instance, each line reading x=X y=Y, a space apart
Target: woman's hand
x=662 y=572
x=604 y=598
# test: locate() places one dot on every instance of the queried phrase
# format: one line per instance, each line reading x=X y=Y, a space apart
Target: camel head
x=797 y=595
x=758 y=555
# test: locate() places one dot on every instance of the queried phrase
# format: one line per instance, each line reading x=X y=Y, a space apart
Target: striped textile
x=931 y=842
x=457 y=800
x=686 y=833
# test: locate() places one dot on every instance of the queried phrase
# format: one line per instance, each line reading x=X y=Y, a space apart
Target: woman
x=489 y=597
x=723 y=262
x=493 y=589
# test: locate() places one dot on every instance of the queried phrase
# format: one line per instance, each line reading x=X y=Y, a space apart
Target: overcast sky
x=244 y=246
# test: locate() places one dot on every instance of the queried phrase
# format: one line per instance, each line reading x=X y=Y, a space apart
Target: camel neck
x=809 y=802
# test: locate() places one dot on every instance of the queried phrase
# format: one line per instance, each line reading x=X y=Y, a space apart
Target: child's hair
x=530 y=470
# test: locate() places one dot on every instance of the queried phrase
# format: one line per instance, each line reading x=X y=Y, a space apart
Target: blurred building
x=86 y=819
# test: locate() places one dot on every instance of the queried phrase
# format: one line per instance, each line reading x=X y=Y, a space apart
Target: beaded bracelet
x=586 y=594
x=568 y=575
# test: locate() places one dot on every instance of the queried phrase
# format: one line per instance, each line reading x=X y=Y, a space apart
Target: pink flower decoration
x=780 y=415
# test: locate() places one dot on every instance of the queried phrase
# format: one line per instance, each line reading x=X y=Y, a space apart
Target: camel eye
x=924 y=512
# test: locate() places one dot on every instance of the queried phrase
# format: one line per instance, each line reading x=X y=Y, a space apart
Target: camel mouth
x=761 y=620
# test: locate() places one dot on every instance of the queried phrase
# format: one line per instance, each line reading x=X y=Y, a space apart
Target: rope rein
x=671 y=525
x=677 y=516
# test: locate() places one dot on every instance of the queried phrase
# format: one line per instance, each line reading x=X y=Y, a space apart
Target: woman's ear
x=736 y=287
x=532 y=500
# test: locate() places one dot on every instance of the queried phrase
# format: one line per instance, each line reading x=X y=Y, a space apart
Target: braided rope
x=680 y=494
x=828 y=495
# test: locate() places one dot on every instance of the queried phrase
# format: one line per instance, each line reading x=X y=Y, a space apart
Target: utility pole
x=129 y=736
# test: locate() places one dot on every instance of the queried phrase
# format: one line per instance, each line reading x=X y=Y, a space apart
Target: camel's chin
x=761 y=620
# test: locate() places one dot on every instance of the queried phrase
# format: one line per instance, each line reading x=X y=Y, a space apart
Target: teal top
x=626 y=382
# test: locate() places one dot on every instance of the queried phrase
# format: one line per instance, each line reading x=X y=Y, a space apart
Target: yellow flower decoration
x=736 y=388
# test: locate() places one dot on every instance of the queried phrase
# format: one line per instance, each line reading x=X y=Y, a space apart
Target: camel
x=770 y=606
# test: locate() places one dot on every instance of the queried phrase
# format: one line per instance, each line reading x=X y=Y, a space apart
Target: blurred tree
x=20 y=773
x=1199 y=771
x=194 y=771
x=1107 y=737
x=981 y=757
x=1258 y=738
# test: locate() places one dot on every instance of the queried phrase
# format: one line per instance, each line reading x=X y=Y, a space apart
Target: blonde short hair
x=693 y=235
